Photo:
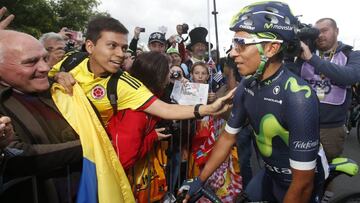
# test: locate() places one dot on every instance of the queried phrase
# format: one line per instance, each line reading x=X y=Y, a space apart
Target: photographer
x=330 y=70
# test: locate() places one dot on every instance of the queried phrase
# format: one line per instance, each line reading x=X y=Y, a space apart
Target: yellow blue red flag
x=103 y=178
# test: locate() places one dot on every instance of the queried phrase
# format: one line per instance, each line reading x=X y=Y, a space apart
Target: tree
x=40 y=16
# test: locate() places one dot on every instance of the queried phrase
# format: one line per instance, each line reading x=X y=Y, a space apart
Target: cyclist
x=279 y=105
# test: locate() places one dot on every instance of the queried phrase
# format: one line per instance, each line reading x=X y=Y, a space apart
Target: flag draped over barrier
x=103 y=179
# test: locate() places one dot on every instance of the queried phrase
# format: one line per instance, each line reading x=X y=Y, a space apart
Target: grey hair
x=50 y=35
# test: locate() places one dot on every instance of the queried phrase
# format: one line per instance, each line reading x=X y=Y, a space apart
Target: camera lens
x=175 y=75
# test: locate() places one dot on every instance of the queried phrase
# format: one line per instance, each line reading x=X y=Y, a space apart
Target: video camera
x=306 y=33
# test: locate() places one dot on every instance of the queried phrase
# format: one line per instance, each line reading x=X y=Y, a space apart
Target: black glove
x=192 y=186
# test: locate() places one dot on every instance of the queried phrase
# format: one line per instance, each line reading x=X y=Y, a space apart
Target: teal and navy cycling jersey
x=283 y=111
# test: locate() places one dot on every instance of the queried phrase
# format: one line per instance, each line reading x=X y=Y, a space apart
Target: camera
x=185 y=28
x=171 y=127
x=306 y=33
x=142 y=29
x=175 y=75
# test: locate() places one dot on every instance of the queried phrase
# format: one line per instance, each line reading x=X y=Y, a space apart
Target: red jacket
x=133 y=134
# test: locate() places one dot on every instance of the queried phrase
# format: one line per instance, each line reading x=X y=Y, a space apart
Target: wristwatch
x=196 y=111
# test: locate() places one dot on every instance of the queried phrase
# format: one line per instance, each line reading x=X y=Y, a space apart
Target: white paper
x=190 y=93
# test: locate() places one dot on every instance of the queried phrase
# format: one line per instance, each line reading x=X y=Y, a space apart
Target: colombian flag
x=103 y=178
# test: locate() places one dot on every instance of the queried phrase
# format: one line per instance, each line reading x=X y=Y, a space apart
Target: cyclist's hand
x=222 y=104
x=66 y=80
x=192 y=186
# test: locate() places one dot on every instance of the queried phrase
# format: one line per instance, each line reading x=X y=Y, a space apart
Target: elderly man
x=55 y=45
x=44 y=141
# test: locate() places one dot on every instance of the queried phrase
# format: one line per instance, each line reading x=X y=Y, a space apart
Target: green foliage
x=40 y=16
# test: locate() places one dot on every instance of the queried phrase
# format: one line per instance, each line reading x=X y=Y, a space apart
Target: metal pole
x=216 y=33
x=209 y=29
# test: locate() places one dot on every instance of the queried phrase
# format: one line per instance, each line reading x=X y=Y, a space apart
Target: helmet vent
x=272 y=9
x=248 y=22
x=244 y=17
x=272 y=19
x=287 y=20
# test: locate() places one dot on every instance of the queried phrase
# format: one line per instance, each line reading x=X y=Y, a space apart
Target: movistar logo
x=278 y=27
x=295 y=87
x=269 y=129
x=268 y=25
x=247 y=27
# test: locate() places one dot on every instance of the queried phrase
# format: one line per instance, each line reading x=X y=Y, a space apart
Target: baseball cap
x=157 y=37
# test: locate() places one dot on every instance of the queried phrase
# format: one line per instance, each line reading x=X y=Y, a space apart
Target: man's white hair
x=49 y=36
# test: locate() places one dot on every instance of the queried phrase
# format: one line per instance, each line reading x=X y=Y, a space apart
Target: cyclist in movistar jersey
x=281 y=107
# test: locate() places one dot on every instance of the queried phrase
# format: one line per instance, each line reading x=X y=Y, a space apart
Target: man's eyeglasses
x=239 y=42
x=52 y=49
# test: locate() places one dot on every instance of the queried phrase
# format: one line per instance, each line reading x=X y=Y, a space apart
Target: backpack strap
x=76 y=58
x=72 y=61
x=111 y=90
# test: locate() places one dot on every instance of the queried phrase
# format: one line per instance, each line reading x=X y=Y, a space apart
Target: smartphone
x=178 y=39
x=142 y=29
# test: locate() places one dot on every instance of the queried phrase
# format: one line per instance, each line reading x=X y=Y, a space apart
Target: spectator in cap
x=198 y=45
x=176 y=60
x=157 y=42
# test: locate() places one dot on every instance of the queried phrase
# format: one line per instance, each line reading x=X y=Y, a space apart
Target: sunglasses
x=247 y=41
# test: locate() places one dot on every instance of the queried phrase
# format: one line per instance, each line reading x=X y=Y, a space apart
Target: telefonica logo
x=278 y=27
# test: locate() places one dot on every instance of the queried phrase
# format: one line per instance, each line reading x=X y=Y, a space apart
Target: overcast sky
x=152 y=14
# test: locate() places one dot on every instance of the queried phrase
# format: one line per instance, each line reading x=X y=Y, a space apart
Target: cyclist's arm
x=302 y=119
x=301 y=186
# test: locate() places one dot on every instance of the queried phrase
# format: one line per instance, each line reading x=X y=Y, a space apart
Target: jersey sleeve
x=238 y=115
x=132 y=93
x=302 y=119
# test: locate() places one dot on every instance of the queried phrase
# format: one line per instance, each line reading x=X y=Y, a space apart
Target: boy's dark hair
x=103 y=23
x=152 y=69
